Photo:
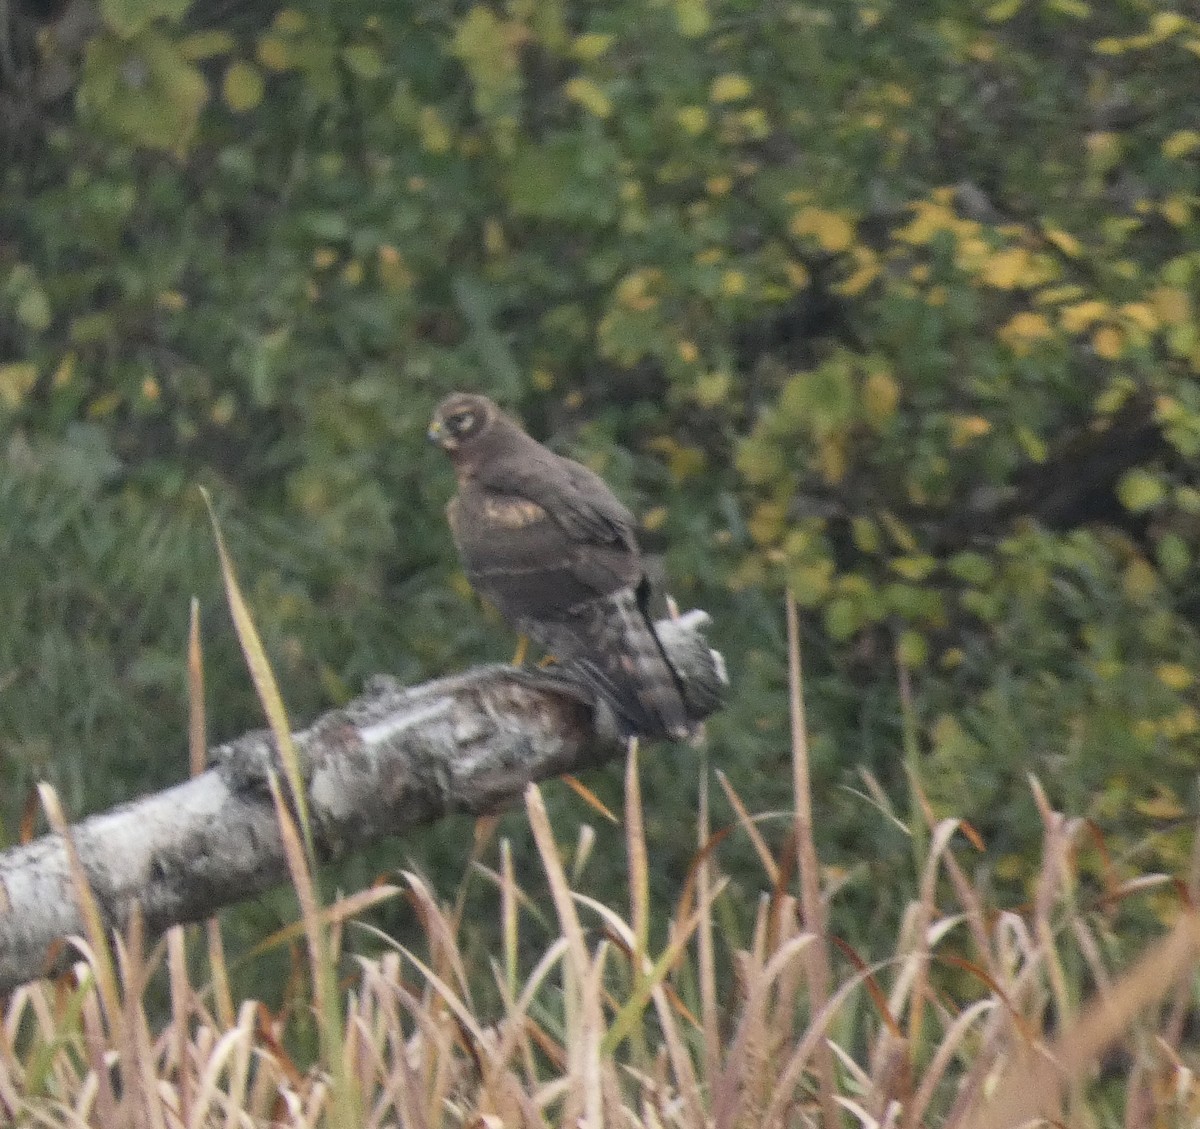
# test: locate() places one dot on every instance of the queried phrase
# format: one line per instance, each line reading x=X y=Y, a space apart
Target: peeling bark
x=391 y=760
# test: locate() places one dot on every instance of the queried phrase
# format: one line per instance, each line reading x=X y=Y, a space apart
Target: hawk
x=546 y=541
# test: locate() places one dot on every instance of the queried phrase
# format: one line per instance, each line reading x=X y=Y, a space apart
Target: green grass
x=587 y=1013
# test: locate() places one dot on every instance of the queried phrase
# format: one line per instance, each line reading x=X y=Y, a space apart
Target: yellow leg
x=522 y=650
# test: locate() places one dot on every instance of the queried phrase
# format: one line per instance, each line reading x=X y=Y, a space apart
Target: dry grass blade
x=747 y=824
x=751 y=1032
x=653 y=974
x=788 y=1079
x=590 y=798
x=197 y=730
x=101 y=958
x=560 y=890
x=639 y=866
x=181 y=1012
x=806 y=858
x=706 y=950
x=218 y=968
x=226 y=1049
x=264 y=681
x=321 y=961
x=581 y=1012
x=951 y=1041
x=1019 y=1098
x=441 y=933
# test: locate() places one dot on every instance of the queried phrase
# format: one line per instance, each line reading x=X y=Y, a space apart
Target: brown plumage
x=545 y=540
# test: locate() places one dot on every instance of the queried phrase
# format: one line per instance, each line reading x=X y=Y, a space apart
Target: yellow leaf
x=1108 y=341
x=1176 y=210
x=692 y=119
x=797 y=276
x=1003 y=10
x=1172 y=305
x=104 y=405
x=881 y=395
x=1104 y=148
x=712 y=389
x=1023 y=329
x=16 y=379
x=435 y=135
x=654 y=518
x=692 y=17
x=1008 y=269
x=1139 y=581
x=965 y=428
x=263 y=677
x=1142 y=315
x=862 y=277
x=1163 y=805
x=273 y=52
x=591 y=45
x=1174 y=676
x=733 y=283
x=832 y=231
x=1181 y=143
x=1182 y=723
x=766 y=523
x=65 y=373
x=589 y=96
x=1063 y=240
x=1076 y=318
x=831 y=457
x=393 y=271
x=1164 y=24
x=290 y=21
x=730 y=88
x=755 y=123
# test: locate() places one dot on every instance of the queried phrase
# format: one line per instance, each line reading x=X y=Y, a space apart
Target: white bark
x=389 y=761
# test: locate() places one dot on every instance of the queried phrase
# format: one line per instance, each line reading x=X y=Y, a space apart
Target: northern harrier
x=546 y=541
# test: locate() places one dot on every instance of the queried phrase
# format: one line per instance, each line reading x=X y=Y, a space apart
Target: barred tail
x=619 y=656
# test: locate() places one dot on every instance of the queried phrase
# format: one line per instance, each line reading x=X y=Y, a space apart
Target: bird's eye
x=461 y=422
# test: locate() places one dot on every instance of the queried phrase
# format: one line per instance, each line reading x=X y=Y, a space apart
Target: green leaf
x=363 y=60
x=1174 y=557
x=912 y=649
x=1140 y=490
x=243 y=87
x=205 y=44
x=33 y=309
x=131 y=17
x=143 y=89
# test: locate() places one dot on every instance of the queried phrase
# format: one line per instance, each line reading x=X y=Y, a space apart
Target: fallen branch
x=390 y=761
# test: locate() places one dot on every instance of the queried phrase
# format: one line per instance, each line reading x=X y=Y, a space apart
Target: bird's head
x=461 y=421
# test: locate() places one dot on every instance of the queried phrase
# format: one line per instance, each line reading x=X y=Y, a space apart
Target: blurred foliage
x=895 y=306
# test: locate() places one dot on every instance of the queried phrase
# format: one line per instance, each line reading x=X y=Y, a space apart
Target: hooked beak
x=436 y=432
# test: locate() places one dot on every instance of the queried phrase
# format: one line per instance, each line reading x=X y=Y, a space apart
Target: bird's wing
x=577 y=498
x=524 y=561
